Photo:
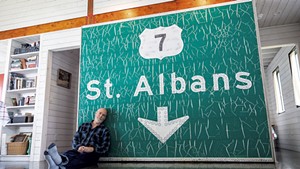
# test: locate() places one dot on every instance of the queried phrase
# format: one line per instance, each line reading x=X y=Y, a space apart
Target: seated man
x=91 y=141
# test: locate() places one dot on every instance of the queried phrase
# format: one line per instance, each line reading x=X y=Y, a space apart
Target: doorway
x=62 y=114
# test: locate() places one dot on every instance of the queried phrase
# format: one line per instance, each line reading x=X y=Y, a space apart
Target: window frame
x=295 y=79
x=278 y=91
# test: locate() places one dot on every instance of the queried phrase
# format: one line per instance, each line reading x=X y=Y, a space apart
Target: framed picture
x=20 y=138
x=14 y=101
x=63 y=78
x=28 y=134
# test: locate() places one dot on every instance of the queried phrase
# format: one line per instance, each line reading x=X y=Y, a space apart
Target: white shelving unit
x=20 y=89
x=24 y=90
x=18 y=124
x=20 y=107
x=25 y=71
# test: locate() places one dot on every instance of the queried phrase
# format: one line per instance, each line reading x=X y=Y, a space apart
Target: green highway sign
x=180 y=85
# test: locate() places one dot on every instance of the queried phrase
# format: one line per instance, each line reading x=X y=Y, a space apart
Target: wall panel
x=74 y=20
x=50 y=42
x=279 y=35
x=3 y=54
x=287 y=123
x=63 y=121
x=35 y=12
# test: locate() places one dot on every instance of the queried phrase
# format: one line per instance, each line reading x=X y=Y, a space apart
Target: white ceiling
x=268 y=55
x=275 y=13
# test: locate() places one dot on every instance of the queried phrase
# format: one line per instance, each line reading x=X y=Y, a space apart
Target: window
x=278 y=91
x=295 y=71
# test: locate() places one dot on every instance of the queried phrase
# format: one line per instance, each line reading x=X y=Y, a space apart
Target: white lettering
x=200 y=83
x=178 y=85
x=161 y=84
x=174 y=80
x=216 y=81
x=92 y=89
x=238 y=77
x=108 y=85
x=139 y=88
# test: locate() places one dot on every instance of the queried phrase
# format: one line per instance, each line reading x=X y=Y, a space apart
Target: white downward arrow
x=162 y=128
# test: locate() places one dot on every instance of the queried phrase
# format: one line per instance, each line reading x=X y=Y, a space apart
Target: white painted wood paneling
x=3 y=55
x=279 y=35
x=277 y=12
x=287 y=123
x=103 y=6
x=50 y=43
x=22 y=13
x=268 y=55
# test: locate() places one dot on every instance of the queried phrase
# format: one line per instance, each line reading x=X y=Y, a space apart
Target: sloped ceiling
x=275 y=13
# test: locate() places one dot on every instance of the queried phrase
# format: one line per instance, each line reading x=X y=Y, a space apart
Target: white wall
x=287 y=123
x=50 y=42
x=23 y=13
x=279 y=35
x=62 y=114
x=3 y=55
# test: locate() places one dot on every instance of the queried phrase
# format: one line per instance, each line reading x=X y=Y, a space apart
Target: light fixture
x=277 y=13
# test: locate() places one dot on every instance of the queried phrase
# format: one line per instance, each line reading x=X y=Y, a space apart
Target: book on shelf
x=23 y=63
x=26 y=47
x=12 y=80
x=30 y=62
x=30 y=100
x=14 y=101
x=18 y=81
x=15 y=64
x=30 y=82
x=32 y=58
x=23 y=101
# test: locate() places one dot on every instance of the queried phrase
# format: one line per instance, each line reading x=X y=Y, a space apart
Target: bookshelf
x=19 y=96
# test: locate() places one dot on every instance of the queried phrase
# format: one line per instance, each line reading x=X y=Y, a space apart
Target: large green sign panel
x=178 y=85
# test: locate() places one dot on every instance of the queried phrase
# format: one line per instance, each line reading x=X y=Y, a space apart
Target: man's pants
x=80 y=160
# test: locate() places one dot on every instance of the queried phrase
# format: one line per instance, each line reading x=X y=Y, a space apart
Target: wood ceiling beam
x=90 y=13
x=106 y=17
x=154 y=9
x=43 y=28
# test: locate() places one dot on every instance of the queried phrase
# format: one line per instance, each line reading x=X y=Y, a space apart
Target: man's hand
x=83 y=149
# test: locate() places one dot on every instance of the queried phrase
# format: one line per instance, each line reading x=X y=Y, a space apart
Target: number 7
x=163 y=37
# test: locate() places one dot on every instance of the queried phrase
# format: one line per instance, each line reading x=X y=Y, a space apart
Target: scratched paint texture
x=224 y=123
